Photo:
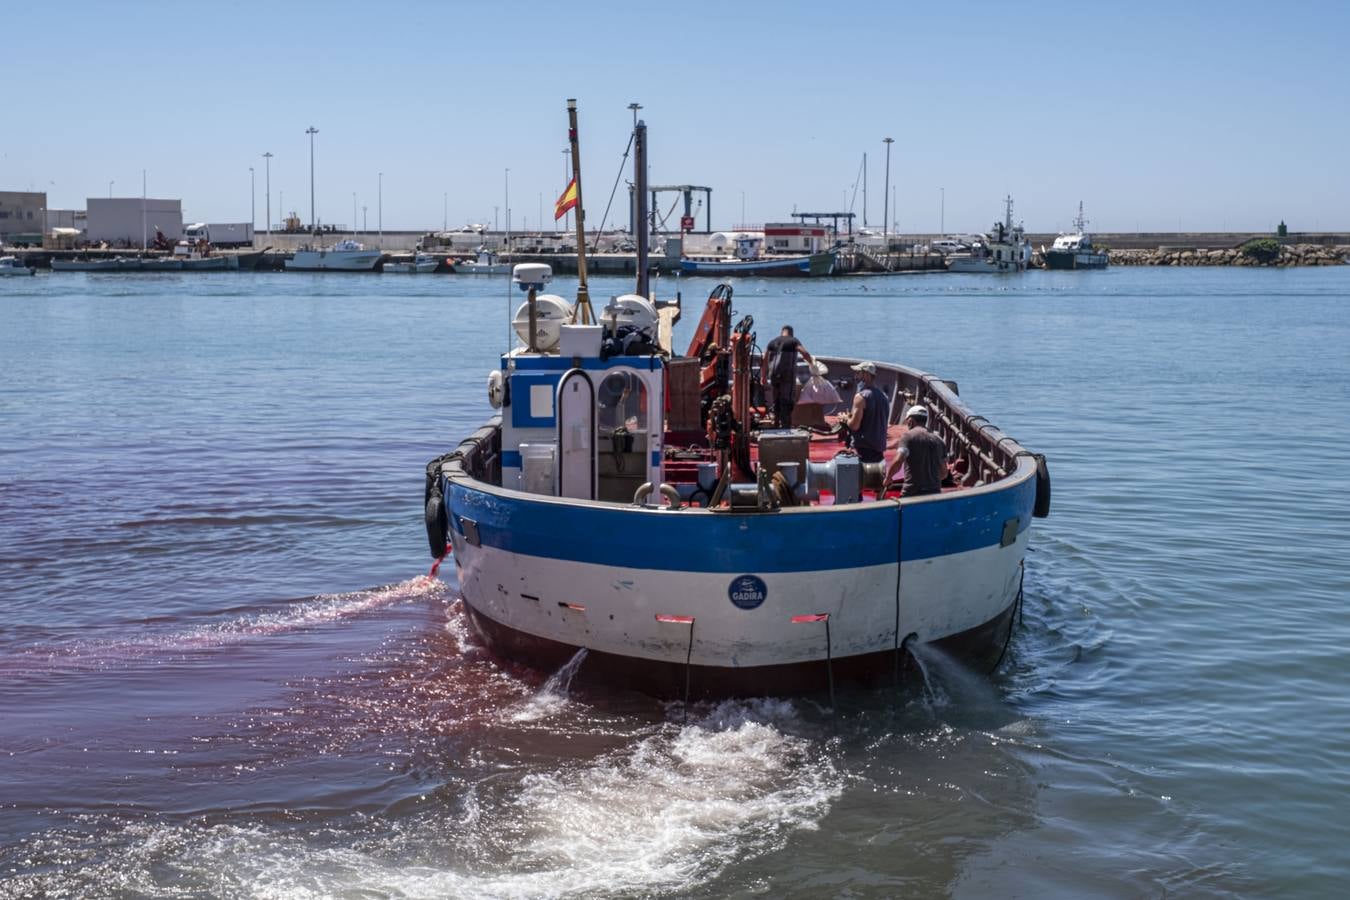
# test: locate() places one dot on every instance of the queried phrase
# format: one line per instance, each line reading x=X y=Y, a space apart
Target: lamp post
x=445 y=211
x=886 y=194
x=311 y=131
x=353 y=213
x=268 y=189
x=942 y=214
x=252 y=201
x=379 y=208
x=363 y=221
x=110 y=184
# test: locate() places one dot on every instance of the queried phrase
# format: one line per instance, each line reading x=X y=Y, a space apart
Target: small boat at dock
x=421 y=263
x=344 y=256
x=1075 y=250
x=1003 y=251
x=485 y=263
x=10 y=265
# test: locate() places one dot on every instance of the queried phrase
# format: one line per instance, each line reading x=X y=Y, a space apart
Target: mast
x=640 y=197
x=1080 y=221
x=584 y=314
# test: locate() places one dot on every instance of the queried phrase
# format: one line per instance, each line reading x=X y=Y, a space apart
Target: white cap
x=917 y=412
x=865 y=366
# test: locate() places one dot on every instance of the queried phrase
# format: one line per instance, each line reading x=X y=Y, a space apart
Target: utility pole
x=311 y=131
x=143 y=229
x=445 y=211
x=252 y=201
x=268 y=156
x=886 y=193
x=942 y=214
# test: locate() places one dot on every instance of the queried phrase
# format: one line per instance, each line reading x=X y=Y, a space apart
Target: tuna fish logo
x=748 y=591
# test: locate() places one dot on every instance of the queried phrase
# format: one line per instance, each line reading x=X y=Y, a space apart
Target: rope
x=613 y=191
x=1017 y=613
x=436 y=566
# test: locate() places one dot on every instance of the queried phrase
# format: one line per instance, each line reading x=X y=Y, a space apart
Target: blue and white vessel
x=636 y=503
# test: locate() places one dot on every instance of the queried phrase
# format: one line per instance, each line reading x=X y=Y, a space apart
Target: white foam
x=662 y=813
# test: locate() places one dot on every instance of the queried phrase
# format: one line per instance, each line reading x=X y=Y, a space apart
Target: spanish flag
x=567 y=201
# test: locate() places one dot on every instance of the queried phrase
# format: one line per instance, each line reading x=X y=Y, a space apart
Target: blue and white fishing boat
x=633 y=502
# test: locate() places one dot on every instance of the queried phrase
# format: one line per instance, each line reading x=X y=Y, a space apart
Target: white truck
x=220 y=234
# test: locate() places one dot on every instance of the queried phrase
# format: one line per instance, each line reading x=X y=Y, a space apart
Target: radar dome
x=551 y=313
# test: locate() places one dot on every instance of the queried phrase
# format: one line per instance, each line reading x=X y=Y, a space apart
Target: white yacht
x=344 y=256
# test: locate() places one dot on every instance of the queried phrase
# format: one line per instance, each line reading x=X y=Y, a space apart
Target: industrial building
x=129 y=221
x=21 y=216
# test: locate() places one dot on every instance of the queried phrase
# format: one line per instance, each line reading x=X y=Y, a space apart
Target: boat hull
x=1074 y=260
x=542 y=577
x=334 y=261
x=815 y=265
x=982 y=266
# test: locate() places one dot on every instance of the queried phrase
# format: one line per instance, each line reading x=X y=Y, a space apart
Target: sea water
x=223 y=671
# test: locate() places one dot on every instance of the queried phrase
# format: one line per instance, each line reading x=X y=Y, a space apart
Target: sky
x=1157 y=116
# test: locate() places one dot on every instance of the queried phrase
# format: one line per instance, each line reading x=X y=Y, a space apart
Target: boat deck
x=822 y=448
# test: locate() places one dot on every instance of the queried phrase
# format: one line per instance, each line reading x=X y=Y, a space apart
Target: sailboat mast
x=584 y=314
x=640 y=192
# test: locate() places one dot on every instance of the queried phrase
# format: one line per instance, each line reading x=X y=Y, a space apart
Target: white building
x=130 y=220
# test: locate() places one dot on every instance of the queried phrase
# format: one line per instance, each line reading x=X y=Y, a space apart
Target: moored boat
x=1075 y=250
x=1004 y=250
x=485 y=263
x=633 y=502
x=750 y=259
x=344 y=256
x=420 y=263
x=10 y=265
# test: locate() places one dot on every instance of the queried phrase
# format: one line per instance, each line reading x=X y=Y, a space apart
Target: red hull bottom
x=980 y=647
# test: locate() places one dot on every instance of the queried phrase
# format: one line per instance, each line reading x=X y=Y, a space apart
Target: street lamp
x=353 y=213
x=252 y=201
x=379 y=210
x=268 y=157
x=110 y=184
x=942 y=213
x=311 y=131
x=886 y=195
x=445 y=211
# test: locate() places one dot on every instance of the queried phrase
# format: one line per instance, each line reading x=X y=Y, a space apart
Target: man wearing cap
x=869 y=416
x=780 y=368
x=922 y=453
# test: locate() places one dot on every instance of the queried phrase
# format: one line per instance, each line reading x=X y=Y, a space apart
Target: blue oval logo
x=748 y=591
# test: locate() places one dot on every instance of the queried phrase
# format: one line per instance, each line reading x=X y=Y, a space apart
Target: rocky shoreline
x=1289 y=255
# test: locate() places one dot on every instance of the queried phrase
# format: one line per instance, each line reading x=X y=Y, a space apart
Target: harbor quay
x=270 y=251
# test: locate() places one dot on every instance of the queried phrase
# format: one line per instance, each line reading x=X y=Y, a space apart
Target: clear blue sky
x=1158 y=116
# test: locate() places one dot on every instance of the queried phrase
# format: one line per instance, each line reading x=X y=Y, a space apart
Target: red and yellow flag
x=567 y=201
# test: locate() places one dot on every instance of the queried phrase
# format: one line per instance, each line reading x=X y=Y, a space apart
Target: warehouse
x=21 y=215
x=130 y=221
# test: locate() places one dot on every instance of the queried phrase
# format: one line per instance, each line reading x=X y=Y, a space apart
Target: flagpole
x=584 y=314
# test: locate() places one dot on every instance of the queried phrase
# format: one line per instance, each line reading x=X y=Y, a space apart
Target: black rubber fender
x=1042 y=508
x=438 y=526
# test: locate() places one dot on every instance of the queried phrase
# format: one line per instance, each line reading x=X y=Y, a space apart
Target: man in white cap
x=923 y=455
x=869 y=416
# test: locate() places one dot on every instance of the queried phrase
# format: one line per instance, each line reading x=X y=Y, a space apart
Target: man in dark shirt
x=869 y=416
x=779 y=368
x=923 y=455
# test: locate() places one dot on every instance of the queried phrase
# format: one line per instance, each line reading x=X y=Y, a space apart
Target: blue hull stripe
x=737 y=544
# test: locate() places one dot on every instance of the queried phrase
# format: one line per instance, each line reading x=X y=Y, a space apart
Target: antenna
x=1080 y=221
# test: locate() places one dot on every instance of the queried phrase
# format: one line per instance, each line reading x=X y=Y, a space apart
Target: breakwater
x=1285 y=255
